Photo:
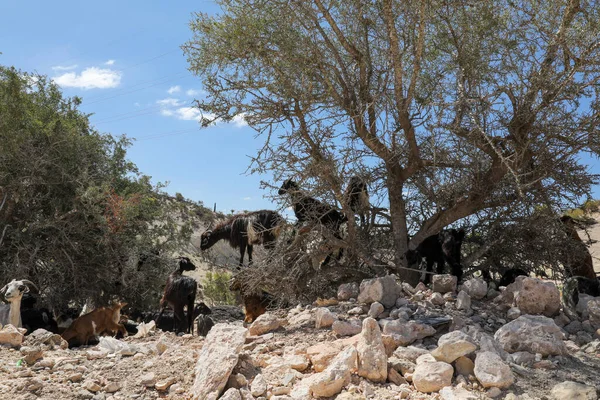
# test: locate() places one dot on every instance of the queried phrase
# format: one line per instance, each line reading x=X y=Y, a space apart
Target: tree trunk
x=398 y=220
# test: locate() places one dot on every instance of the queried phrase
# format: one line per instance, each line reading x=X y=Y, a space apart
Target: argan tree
x=76 y=217
x=453 y=109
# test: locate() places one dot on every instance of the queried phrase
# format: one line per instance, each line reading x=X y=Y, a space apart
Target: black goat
x=204 y=325
x=439 y=249
x=36 y=318
x=245 y=230
x=510 y=275
x=180 y=291
x=167 y=322
x=310 y=210
x=571 y=289
x=356 y=197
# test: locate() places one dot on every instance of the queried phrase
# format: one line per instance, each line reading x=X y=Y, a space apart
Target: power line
x=166 y=134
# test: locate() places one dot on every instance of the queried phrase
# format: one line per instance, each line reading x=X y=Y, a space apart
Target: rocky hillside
x=381 y=339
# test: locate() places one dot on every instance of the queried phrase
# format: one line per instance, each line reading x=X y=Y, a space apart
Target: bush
x=216 y=288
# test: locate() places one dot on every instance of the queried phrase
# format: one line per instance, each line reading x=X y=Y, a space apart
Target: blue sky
x=123 y=59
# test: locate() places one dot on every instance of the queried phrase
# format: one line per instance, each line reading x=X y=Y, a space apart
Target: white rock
x=337 y=375
x=532 y=333
x=573 y=391
x=384 y=290
x=372 y=358
x=458 y=393
x=258 y=386
x=346 y=328
x=513 y=313
x=593 y=307
x=347 y=291
x=324 y=318
x=437 y=299
x=11 y=336
x=231 y=394
x=221 y=352
x=535 y=296
x=444 y=283
x=432 y=376
x=410 y=353
x=404 y=333
x=463 y=301
x=476 y=288
x=491 y=371
x=264 y=323
x=375 y=310
x=453 y=345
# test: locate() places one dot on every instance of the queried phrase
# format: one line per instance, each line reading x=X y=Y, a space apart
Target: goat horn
x=31 y=285
x=2 y=293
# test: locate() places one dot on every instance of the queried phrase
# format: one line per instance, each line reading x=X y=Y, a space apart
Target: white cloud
x=193 y=92
x=109 y=62
x=90 y=78
x=169 y=102
x=188 y=114
x=167 y=113
x=174 y=89
x=240 y=120
x=64 y=68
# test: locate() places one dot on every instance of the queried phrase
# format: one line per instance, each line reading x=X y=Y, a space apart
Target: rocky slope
x=380 y=339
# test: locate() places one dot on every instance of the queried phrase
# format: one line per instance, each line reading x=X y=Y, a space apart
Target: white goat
x=12 y=293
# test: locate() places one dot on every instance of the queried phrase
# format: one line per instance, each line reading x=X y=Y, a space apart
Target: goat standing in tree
x=180 y=292
x=245 y=230
x=313 y=211
x=356 y=197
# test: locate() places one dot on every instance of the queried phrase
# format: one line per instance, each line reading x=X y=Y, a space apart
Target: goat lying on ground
x=36 y=318
x=180 y=292
x=12 y=293
x=245 y=230
x=88 y=326
x=580 y=262
x=356 y=197
x=570 y=294
x=313 y=211
x=439 y=249
x=167 y=322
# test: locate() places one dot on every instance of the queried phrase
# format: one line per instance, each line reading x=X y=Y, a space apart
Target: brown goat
x=255 y=305
x=103 y=319
x=580 y=263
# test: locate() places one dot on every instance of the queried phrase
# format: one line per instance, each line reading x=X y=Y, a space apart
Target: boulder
x=337 y=375
x=221 y=352
x=264 y=323
x=10 y=335
x=453 y=345
x=593 y=307
x=346 y=328
x=476 y=288
x=464 y=366
x=404 y=333
x=375 y=310
x=463 y=301
x=491 y=371
x=372 y=358
x=348 y=291
x=432 y=376
x=410 y=353
x=324 y=318
x=46 y=340
x=258 y=386
x=384 y=290
x=444 y=283
x=231 y=394
x=31 y=354
x=535 y=296
x=582 y=305
x=532 y=333
x=573 y=391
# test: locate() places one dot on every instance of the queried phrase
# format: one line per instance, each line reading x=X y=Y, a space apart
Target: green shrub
x=216 y=288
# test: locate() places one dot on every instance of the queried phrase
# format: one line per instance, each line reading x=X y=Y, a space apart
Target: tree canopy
x=76 y=217
x=454 y=111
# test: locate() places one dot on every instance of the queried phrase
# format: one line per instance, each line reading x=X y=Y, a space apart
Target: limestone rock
x=491 y=371
x=513 y=313
x=92 y=386
x=464 y=366
x=375 y=310
x=324 y=318
x=535 y=296
x=337 y=375
x=384 y=290
x=258 y=386
x=221 y=352
x=321 y=354
x=437 y=299
x=372 y=359
x=444 y=283
x=532 y=333
x=453 y=345
x=522 y=358
x=594 y=312
x=346 y=328
x=463 y=301
x=401 y=365
x=573 y=391
x=298 y=362
x=476 y=288
x=148 y=380
x=11 y=336
x=46 y=340
x=265 y=323
x=348 y=291
x=432 y=376
x=410 y=353
x=231 y=394
x=458 y=393
x=395 y=377
x=31 y=354
x=404 y=333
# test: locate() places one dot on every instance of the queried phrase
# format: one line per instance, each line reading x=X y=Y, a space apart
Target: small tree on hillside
x=451 y=109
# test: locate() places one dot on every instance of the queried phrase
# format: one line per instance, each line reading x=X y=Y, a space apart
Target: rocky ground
x=382 y=340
